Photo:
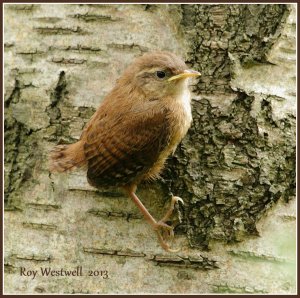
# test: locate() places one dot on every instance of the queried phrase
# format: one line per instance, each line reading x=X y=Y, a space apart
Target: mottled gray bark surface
x=235 y=169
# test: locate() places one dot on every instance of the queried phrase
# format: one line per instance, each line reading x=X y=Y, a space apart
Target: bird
x=138 y=124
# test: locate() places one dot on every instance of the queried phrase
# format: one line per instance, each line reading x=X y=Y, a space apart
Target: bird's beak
x=186 y=74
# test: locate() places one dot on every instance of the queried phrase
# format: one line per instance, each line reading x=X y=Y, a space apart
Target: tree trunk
x=235 y=169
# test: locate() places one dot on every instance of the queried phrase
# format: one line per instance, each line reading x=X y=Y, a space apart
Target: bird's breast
x=181 y=114
x=180 y=118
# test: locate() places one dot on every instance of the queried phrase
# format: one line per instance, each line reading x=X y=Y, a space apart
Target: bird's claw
x=168 y=214
x=177 y=199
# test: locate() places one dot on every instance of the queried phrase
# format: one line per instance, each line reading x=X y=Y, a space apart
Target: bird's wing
x=122 y=148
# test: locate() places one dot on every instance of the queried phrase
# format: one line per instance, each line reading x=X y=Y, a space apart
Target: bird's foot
x=164 y=231
x=165 y=234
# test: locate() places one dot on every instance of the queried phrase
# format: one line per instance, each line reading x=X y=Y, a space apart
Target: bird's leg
x=163 y=230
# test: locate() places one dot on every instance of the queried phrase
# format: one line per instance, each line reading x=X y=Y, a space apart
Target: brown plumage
x=139 y=123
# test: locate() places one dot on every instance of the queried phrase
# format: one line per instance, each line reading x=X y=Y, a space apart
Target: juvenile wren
x=137 y=126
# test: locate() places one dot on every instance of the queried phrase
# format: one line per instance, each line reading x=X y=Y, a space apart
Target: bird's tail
x=67 y=157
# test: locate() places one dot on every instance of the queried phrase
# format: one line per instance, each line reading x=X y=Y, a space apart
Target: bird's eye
x=160 y=74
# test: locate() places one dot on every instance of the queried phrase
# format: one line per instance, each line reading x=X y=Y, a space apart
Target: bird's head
x=158 y=74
